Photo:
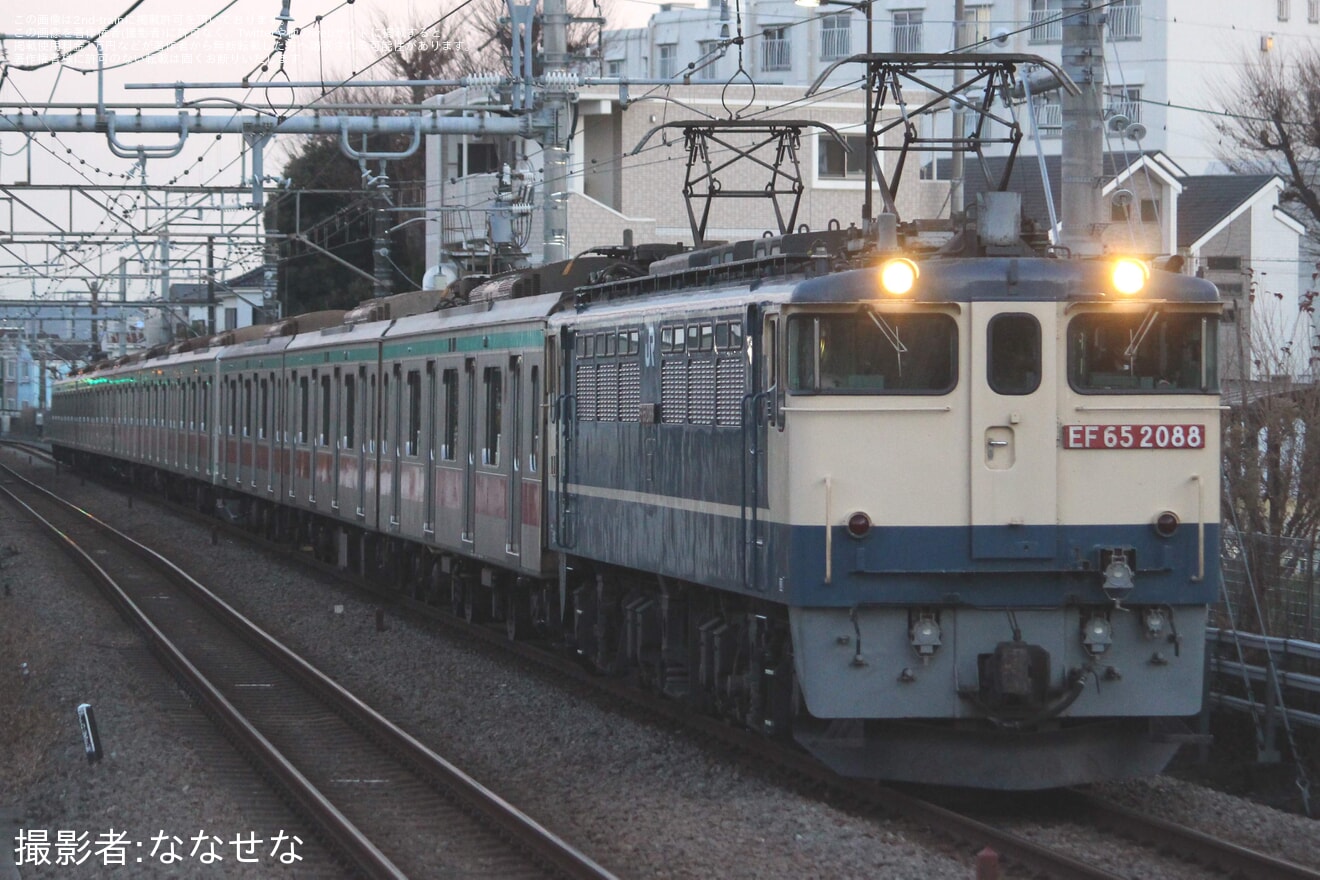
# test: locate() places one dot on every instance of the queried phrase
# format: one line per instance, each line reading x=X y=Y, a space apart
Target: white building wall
x=1280 y=327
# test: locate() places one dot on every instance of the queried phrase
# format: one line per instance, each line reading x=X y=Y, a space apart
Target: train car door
x=358 y=439
x=394 y=432
x=469 y=535
x=340 y=429
x=430 y=403
x=514 y=432
x=1014 y=448
x=765 y=412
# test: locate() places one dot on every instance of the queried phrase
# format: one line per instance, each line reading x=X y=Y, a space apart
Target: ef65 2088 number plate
x=1133 y=436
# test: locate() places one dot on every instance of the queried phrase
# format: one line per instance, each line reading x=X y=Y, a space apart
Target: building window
x=975 y=26
x=907 y=30
x=1223 y=264
x=774 y=49
x=480 y=158
x=836 y=163
x=231 y=318
x=709 y=61
x=666 y=59
x=1150 y=210
x=1123 y=101
x=836 y=36
x=614 y=68
x=1285 y=9
x=1046 y=21
x=1125 y=20
x=1313 y=11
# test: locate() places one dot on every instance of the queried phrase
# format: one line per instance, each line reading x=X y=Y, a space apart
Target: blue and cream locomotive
x=946 y=518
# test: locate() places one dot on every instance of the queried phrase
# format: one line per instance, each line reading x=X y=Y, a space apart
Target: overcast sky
x=166 y=41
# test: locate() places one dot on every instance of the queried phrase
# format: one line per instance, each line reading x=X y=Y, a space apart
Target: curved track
x=389 y=805
x=1020 y=855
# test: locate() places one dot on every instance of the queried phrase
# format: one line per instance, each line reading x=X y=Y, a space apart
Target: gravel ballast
x=642 y=800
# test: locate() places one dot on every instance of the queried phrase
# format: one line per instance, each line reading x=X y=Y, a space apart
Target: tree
x=341 y=221
x=1275 y=126
x=1271 y=448
x=1272 y=432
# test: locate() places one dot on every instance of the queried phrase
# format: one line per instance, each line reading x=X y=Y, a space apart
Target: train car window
x=666 y=339
x=350 y=412
x=323 y=438
x=707 y=337
x=609 y=340
x=248 y=420
x=449 y=448
x=694 y=337
x=536 y=418
x=206 y=404
x=414 y=435
x=872 y=352
x=1013 y=354
x=735 y=336
x=493 y=381
x=304 y=405
x=233 y=406
x=387 y=408
x=265 y=409
x=1151 y=352
x=372 y=430
x=722 y=336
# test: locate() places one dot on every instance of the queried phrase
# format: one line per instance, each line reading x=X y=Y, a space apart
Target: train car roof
x=500 y=311
x=338 y=336
x=730 y=295
x=1005 y=279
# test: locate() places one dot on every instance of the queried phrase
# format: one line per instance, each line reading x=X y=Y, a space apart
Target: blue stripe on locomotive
x=893 y=565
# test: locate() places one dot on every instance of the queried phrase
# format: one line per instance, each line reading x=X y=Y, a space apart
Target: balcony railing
x=775 y=55
x=835 y=42
x=907 y=38
x=1046 y=26
x=1049 y=120
x=1121 y=107
x=1125 y=22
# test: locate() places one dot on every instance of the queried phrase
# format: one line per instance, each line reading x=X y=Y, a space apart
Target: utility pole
x=957 y=197
x=123 y=306
x=552 y=124
x=380 y=236
x=1083 y=129
x=210 y=285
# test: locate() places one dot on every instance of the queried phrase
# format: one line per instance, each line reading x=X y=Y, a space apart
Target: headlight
x=898 y=276
x=1129 y=276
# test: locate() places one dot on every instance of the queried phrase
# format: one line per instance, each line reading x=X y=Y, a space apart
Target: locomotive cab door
x=1014 y=450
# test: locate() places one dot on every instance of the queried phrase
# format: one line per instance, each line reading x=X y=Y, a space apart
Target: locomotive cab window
x=1013 y=354
x=872 y=352
x=1150 y=352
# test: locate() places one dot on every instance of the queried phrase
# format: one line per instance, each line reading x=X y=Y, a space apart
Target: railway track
x=1020 y=855
x=389 y=805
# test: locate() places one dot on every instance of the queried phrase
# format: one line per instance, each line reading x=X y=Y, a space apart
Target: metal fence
x=1285 y=595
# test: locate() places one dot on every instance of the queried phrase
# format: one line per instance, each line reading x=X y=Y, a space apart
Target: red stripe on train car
x=492 y=495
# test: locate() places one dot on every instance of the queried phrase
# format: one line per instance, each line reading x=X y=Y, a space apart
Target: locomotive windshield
x=1152 y=351
x=872 y=353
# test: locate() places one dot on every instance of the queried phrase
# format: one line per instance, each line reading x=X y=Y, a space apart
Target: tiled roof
x=1208 y=199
